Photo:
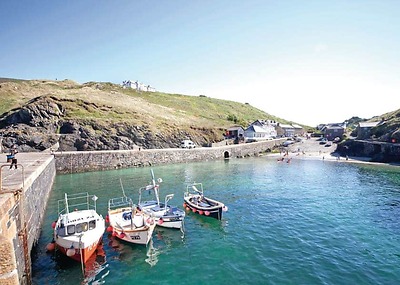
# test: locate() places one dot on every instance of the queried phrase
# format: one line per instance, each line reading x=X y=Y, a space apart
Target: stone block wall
x=377 y=151
x=16 y=211
x=82 y=161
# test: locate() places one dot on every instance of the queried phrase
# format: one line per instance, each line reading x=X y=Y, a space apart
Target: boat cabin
x=72 y=224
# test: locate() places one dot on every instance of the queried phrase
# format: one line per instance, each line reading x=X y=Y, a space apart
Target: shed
x=364 y=129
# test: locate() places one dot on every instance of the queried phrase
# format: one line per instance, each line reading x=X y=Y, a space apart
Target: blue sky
x=307 y=61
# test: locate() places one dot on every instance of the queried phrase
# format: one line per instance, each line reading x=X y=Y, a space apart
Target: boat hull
x=169 y=222
x=80 y=255
x=142 y=236
x=171 y=217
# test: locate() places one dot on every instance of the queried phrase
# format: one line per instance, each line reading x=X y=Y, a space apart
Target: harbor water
x=303 y=222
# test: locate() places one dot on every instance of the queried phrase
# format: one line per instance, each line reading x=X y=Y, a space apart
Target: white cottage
x=256 y=133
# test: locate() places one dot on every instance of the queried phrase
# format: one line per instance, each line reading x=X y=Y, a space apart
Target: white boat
x=77 y=233
x=128 y=223
x=196 y=202
x=165 y=215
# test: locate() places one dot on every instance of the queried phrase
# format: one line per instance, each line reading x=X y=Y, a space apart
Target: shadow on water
x=163 y=240
x=94 y=271
x=96 y=268
x=204 y=222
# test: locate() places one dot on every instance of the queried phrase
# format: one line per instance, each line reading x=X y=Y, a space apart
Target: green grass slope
x=107 y=102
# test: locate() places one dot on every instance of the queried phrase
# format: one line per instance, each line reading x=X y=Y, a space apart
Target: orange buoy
x=114 y=234
x=200 y=212
x=187 y=209
x=194 y=210
x=70 y=251
x=51 y=246
x=184 y=205
x=109 y=229
x=53 y=225
x=107 y=219
x=207 y=213
x=160 y=221
x=122 y=235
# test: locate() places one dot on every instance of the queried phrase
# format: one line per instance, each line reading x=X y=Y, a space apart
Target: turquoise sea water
x=307 y=222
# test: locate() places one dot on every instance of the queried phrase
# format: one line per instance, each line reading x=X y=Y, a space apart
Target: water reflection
x=152 y=254
x=95 y=265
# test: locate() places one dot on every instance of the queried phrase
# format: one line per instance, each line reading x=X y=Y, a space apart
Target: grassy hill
x=111 y=102
x=389 y=128
x=109 y=112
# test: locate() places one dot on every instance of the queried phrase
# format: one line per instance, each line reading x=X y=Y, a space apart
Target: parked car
x=323 y=141
x=287 y=143
x=187 y=144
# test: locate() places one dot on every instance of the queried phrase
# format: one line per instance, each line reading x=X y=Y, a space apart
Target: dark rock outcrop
x=44 y=124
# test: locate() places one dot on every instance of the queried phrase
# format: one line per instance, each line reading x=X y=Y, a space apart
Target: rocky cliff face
x=44 y=123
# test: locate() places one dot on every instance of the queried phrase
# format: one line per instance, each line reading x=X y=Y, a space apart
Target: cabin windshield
x=92 y=225
x=81 y=227
x=71 y=229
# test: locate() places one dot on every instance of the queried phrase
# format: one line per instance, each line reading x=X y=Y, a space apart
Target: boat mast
x=155 y=187
x=122 y=187
x=66 y=203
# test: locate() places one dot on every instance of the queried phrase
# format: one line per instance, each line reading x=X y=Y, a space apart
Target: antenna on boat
x=153 y=180
x=66 y=203
x=154 y=187
x=94 y=198
x=122 y=187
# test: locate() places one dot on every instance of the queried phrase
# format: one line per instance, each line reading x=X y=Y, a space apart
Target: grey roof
x=234 y=128
x=284 y=126
x=334 y=127
x=256 y=129
x=368 y=124
x=297 y=126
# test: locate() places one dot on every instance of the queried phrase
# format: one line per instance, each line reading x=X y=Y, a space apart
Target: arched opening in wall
x=226 y=155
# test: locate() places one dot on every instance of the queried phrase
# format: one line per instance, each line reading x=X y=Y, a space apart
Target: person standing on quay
x=14 y=161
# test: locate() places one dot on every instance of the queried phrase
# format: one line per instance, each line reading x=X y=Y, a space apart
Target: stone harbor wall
x=82 y=161
x=377 y=151
x=21 y=216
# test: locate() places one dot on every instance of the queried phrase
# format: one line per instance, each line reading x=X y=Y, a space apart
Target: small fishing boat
x=128 y=222
x=196 y=202
x=165 y=215
x=77 y=233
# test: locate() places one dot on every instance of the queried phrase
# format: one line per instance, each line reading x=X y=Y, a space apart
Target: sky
x=306 y=61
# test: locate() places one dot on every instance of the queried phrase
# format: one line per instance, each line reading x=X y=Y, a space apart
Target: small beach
x=312 y=149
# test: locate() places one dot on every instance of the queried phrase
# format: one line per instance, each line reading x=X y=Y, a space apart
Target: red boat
x=77 y=232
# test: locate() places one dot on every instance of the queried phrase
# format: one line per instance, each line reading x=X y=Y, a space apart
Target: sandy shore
x=312 y=149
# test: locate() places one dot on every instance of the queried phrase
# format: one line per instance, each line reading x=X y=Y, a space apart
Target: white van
x=187 y=144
